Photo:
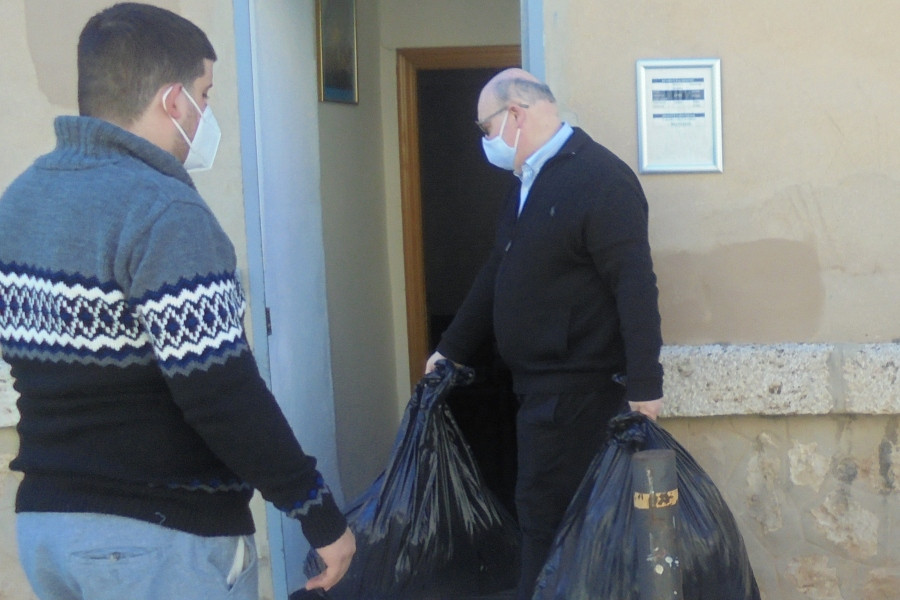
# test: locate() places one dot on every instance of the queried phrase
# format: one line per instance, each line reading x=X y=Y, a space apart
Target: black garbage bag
x=428 y=527
x=594 y=554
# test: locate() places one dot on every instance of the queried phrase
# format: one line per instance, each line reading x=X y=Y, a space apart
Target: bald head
x=517 y=86
x=533 y=113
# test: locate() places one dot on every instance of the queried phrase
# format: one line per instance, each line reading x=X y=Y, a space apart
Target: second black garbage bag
x=594 y=554
x=428 y=527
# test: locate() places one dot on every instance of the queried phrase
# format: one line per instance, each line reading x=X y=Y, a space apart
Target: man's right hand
x=432 y=361
x=337 y=557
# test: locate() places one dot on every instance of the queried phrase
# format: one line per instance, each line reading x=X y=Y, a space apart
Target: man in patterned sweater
x=145 y=425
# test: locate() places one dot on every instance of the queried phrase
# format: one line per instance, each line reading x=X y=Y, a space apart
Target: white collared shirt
x=532 y=166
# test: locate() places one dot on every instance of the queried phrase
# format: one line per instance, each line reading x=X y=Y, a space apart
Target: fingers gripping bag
x=594 y=554
x=428 y=527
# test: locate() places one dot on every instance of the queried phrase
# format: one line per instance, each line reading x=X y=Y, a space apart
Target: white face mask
x=499 y=153
x=205 y=144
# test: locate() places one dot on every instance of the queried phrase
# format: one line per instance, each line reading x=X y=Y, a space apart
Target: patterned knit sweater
x=122 y=319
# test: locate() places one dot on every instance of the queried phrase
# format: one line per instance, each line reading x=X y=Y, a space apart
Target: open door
x=410 y=63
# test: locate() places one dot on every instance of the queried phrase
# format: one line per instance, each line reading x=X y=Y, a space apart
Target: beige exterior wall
x=796 y=240
x=778 y=277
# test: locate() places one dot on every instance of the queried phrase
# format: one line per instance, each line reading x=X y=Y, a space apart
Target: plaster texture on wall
x=795 y=241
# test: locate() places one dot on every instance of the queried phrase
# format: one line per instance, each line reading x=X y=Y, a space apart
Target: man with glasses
x=570 y=295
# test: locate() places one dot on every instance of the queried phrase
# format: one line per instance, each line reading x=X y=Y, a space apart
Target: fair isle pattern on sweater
x=67 y=318
x=53 y=317
x=197 y=321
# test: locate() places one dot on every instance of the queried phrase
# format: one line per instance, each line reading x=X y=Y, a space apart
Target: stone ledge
x=783 y=379
x=871 y=374
x=721 y=380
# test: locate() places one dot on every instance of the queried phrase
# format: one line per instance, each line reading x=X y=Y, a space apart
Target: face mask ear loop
x=503 y=124
x=194 y=102
x=177 y=126
x=166 y=95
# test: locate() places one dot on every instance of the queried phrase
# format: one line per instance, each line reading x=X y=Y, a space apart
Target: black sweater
x=569 y=289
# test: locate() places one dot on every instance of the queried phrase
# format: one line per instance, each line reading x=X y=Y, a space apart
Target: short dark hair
x=128 y=51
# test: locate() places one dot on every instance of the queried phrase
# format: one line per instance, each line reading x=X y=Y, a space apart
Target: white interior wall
x=356 y=260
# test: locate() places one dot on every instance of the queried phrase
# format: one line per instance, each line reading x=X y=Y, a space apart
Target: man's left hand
x=650 y=408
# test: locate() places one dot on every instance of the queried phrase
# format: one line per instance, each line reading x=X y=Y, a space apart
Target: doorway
x=410 y=63
x=451 y=198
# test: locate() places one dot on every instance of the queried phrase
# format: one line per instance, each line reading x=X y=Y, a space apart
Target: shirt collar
x=536 y=161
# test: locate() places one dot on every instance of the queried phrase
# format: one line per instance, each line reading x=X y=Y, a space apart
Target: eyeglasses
x=482 y=125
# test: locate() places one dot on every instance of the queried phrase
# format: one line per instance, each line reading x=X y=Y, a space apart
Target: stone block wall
x=802 y=440
x=815 y=497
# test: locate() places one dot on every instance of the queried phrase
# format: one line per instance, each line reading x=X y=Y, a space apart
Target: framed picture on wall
x=679 y=105
x=336 y=36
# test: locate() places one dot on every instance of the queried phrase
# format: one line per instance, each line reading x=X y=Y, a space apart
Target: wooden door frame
x=409 y=62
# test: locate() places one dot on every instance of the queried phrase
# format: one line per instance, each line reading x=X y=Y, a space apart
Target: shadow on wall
x=766 y=291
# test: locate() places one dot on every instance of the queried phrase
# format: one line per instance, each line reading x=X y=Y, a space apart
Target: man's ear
x=168 y=96
x=518 y=114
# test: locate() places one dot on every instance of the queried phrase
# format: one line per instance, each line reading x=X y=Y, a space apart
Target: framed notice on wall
x=679 y=106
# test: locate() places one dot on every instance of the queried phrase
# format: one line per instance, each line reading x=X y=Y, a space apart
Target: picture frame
x=679 y=107
x=336 y=40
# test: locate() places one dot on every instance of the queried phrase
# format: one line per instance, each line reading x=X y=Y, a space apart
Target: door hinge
x=268 y=321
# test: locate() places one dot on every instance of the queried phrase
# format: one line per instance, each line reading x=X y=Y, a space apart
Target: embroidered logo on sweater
x=58 y=317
